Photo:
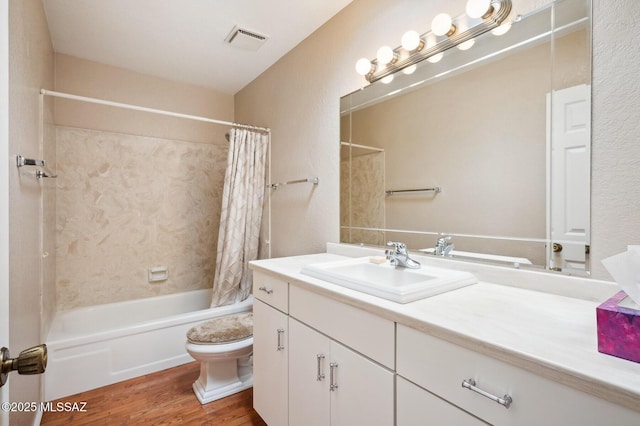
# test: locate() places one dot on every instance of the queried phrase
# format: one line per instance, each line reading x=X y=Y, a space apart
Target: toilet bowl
x=224 y=347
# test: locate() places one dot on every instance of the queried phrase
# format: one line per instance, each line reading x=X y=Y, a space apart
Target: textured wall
x=30 y=68
x=126 y=203
x=298 y=98
x=615 y=167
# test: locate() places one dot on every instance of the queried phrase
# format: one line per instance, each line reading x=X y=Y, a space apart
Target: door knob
x=30 y=361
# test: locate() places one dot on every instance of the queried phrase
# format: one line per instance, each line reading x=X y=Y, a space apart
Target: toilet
x=224 y=348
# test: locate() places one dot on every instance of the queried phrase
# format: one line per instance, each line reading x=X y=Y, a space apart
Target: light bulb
x=385 y=55
x=502 y=29
x=363 y=66
x=410 y=40
x=467 y=44
x=442 y=25
x=479 y=8
x=388 y=79
x=410 y=69
x=435 y=58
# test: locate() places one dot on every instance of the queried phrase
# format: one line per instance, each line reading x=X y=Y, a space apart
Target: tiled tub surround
x=540 y=323
x=126 y=203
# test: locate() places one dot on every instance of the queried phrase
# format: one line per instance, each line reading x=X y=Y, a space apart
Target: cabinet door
x=270 y=358
x=363 y=390
x=417 y=407
x=308 y=376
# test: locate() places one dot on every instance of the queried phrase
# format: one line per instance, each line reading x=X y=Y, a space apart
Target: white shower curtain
x=241 y=215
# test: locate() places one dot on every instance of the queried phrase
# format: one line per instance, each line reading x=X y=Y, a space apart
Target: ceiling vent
x=245 y=39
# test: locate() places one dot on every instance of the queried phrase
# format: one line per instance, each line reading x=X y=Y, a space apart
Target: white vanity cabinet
x=330 y=384
x=270 y=349
x=441 y=367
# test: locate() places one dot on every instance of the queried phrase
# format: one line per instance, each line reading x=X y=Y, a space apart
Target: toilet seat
x=222 y=330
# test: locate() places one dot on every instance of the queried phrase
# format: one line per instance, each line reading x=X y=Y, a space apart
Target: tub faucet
x=398 y=256
x=444 y=246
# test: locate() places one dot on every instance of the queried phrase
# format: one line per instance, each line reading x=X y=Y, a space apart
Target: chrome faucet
x=398 y=256
x=444 y=246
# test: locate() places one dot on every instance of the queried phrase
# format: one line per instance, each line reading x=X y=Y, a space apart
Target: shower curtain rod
x=151 y=110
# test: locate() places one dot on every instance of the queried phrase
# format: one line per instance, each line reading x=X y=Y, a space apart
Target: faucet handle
x=397 y=245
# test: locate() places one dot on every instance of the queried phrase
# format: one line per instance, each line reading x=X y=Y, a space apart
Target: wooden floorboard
x=162 y=398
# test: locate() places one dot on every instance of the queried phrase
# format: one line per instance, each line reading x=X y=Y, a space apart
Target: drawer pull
x=266 y=290
x=280 y=334
x=471 y=385
x=320 y=374
x=333 y=384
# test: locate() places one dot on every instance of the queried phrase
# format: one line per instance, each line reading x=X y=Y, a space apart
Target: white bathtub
x=95 y=346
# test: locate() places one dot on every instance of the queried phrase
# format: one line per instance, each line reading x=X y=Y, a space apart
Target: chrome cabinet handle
x=266 y=290
x=280 y=334
x=471 y=385
x=319 y=374
x=333 y=383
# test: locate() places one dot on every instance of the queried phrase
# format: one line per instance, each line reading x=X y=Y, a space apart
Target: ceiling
x=183 y=40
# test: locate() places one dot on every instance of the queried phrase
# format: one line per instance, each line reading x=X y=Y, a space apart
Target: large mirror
x=489 y=147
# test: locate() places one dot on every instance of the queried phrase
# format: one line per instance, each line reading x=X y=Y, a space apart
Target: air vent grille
x=245 y=39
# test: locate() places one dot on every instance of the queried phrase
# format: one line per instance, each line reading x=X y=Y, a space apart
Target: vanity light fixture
x=446 y=32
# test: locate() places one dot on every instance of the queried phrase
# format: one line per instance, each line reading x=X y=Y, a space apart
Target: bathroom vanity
x=517 y=347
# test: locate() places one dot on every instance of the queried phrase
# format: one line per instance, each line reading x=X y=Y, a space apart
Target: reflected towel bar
x=313 y=180
x=435 y=189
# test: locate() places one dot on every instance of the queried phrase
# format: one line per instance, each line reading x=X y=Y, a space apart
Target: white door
x=4 y=191
x=570 y=176
x=309 y=359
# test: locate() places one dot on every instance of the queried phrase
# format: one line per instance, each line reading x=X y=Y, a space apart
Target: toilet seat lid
x=225 y=329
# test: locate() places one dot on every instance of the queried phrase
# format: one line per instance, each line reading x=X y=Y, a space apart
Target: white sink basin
x=397 y=284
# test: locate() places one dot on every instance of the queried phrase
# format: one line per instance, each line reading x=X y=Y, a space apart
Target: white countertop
x=551 y=335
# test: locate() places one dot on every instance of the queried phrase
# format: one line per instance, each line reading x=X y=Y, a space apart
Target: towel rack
x=44 y=173
x=435 y=189
x=313 y=180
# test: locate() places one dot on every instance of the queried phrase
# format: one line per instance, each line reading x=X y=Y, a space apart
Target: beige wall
x=298 y=98
x=135 y=190
x=30 y=68
x=615 y=151
x=92 y=79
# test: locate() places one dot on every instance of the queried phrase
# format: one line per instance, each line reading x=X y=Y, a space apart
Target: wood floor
x=162 y=398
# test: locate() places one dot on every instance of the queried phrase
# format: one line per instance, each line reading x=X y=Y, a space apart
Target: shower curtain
x=241 y=215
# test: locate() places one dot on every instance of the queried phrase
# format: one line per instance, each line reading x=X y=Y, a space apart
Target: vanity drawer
x=416 y=406
x=271 y=290
x=360 y=330
x=441 y=367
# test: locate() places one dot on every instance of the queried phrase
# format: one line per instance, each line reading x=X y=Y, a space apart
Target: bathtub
x=94 y=346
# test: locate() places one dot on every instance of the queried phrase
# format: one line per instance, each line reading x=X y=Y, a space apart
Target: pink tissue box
x=618 y=329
